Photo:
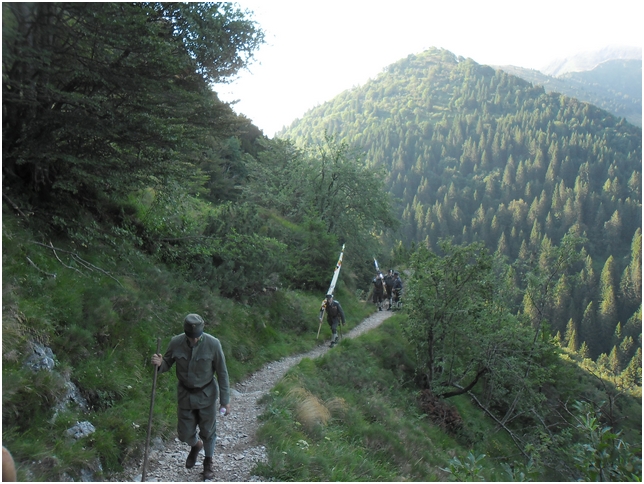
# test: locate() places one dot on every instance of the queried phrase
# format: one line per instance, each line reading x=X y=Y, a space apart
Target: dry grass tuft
x=337 y=406
x=309 y=410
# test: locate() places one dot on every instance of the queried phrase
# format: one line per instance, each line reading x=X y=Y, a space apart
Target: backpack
x=333 y=309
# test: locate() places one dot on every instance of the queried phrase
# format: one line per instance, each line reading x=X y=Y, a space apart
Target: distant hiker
x=334 y=315
x=397 y=288
x=389 y=285
x=378 y=290
x=198 y=356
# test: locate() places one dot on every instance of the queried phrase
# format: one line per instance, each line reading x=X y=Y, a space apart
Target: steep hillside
x=476 y=154
x=614 y=85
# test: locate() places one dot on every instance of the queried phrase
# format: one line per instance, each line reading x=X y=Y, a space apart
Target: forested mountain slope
x=474 y=153
x=614 y=85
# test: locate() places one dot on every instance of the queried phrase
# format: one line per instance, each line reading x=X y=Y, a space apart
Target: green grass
x=103 y=334
x=378 y=433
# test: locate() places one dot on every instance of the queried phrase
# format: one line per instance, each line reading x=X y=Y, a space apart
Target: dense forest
x=479 y=155
x=132 y=196
x=614 y=85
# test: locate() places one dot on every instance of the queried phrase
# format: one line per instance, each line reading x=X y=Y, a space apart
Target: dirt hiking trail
x=237 y=450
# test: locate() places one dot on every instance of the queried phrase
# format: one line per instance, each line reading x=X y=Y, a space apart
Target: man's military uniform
x=398 y=287
x=389 y=285
x=378 y=290
x=334 y=315
x=197 y=389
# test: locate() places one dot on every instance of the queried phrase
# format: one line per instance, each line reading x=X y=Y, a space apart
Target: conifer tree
x=584 y=352
x=561 y=301
x=572 y=341
x=632 y=375
x=613 y=362
x=502 y=247
x=591 y=331
x=570 y=328
x=633 y=326
x=631 y=282
x=608 y=302
x=625 y=349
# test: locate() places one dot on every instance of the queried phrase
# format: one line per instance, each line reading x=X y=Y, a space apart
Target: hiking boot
x=332 y=344
x=192 y=456
x=208 y=469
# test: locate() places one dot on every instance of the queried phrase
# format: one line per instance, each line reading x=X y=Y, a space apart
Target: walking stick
x=147 y=441
x=320 y=326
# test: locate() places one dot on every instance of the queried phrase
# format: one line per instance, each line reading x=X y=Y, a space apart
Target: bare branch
x=15 y=207
x=77 y=258
x=58 y=258
x=40 y=270
x=517 y=441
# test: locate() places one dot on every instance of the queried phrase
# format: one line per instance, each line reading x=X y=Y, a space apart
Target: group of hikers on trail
x=389 y=287
x=198 y=357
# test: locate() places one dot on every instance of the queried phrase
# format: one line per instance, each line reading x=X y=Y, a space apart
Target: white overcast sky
x=315 y=50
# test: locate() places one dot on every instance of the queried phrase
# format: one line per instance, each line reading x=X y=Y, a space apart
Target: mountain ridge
x=588 y=60
x=614 y=85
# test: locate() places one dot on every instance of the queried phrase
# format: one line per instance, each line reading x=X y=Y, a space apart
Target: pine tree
x=633 y=326
x=632 y=375
x=613 y=362
x=562 y=294
x=631 y=283
x=584 y=352
x=603 y=363
x=591 y=331
x=573 y=341
x=608 y=301
x=502 y=246
x=570 y=328
x=625 y=349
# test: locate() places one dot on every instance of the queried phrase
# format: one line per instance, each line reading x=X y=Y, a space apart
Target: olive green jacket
x=196 y=368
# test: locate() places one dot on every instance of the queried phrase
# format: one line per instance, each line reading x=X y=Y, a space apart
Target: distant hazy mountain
x=614 y=85
x=587 y=61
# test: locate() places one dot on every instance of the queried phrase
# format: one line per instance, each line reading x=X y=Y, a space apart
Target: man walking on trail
x=334 y=315
x=389 y=285
x=378 y=290
x=198 y=357
x=397 y=287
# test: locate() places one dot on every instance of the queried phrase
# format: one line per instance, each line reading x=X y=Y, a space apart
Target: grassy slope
x=101 y=322
x=354 y=415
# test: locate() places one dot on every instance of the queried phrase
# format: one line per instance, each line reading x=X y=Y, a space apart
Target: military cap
x=193 y=325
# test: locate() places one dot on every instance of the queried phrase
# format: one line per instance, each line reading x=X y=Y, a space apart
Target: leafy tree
x=329 y=183
x=445 y=296
x=601 y=455
x=102 y=99
x=462 y=331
